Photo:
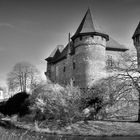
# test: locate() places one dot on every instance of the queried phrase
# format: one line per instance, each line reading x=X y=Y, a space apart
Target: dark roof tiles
x=88 y=27
x=114 y=45
x=137 y=31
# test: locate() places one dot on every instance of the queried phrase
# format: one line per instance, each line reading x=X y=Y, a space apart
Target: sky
x=31 y=29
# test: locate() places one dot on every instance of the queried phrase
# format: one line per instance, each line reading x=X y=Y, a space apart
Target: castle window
x=73 y=81
x=80 y=37
x=73 y=65
x=109 y=61
x=56 y=70
x=137 y=39
x=102 y=38
x=73 y=41
x=64 y=69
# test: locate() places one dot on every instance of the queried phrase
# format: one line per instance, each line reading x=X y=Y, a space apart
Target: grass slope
x=106 y=128
x=92 y=128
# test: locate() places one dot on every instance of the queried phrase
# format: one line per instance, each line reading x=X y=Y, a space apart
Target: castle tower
x=136 y=41
x=90 y=46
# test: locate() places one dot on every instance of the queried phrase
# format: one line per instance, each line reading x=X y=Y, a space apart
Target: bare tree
x=23 y=76
x=127 y=72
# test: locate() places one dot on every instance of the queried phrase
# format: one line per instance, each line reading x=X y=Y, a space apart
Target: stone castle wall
x=84 y=67
x=114 y=54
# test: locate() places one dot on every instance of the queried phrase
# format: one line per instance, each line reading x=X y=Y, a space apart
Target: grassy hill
x=92 y=128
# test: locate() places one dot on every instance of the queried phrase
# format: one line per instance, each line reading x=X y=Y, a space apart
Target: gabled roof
x=59 y=56
x=114 y=45
x=59 y=47
x=87 y=27
x=55 y=53
x=137 y=31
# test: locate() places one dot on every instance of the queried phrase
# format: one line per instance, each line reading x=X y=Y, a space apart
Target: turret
x=90 y=46
x=136 y=41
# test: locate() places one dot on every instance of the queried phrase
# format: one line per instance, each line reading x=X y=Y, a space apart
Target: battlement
x=89 y=40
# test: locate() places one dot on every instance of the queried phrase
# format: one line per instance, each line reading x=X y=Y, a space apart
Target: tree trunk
x=25 y=81
x=20 y=82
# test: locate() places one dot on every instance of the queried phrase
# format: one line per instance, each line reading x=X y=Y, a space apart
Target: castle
x=84 y=59
x=136 y=41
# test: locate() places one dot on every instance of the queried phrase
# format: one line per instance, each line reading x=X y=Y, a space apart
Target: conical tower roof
x=87 y=27
x=137 y=31
x=86 y=24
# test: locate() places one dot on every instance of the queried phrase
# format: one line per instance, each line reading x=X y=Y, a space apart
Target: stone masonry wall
x=85 y=66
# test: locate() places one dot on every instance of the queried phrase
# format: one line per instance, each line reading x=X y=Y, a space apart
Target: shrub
x=63 y=105
x=53 y=102
x=93 y=98
x=17 y=104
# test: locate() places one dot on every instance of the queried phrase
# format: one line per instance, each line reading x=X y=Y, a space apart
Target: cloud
x=6 y=25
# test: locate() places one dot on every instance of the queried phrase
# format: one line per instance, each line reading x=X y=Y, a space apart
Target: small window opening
x=74 y=82
x=109 y=61
x=74 y=65
x=102 y=38
x=80 y=37
x=137 y=39
x=92 y=36
x=64 y=69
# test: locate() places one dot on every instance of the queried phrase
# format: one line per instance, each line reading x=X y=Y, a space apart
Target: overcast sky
x=31 y=29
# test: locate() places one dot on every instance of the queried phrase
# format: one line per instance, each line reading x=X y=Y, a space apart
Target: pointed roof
x=86 y=24
x=137 y=31
x=59 y=55
x=59 y=48
x=56 y=52
x=87 y=27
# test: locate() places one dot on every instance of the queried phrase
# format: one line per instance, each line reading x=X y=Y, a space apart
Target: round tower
x=136 y=41
x=90 y=47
